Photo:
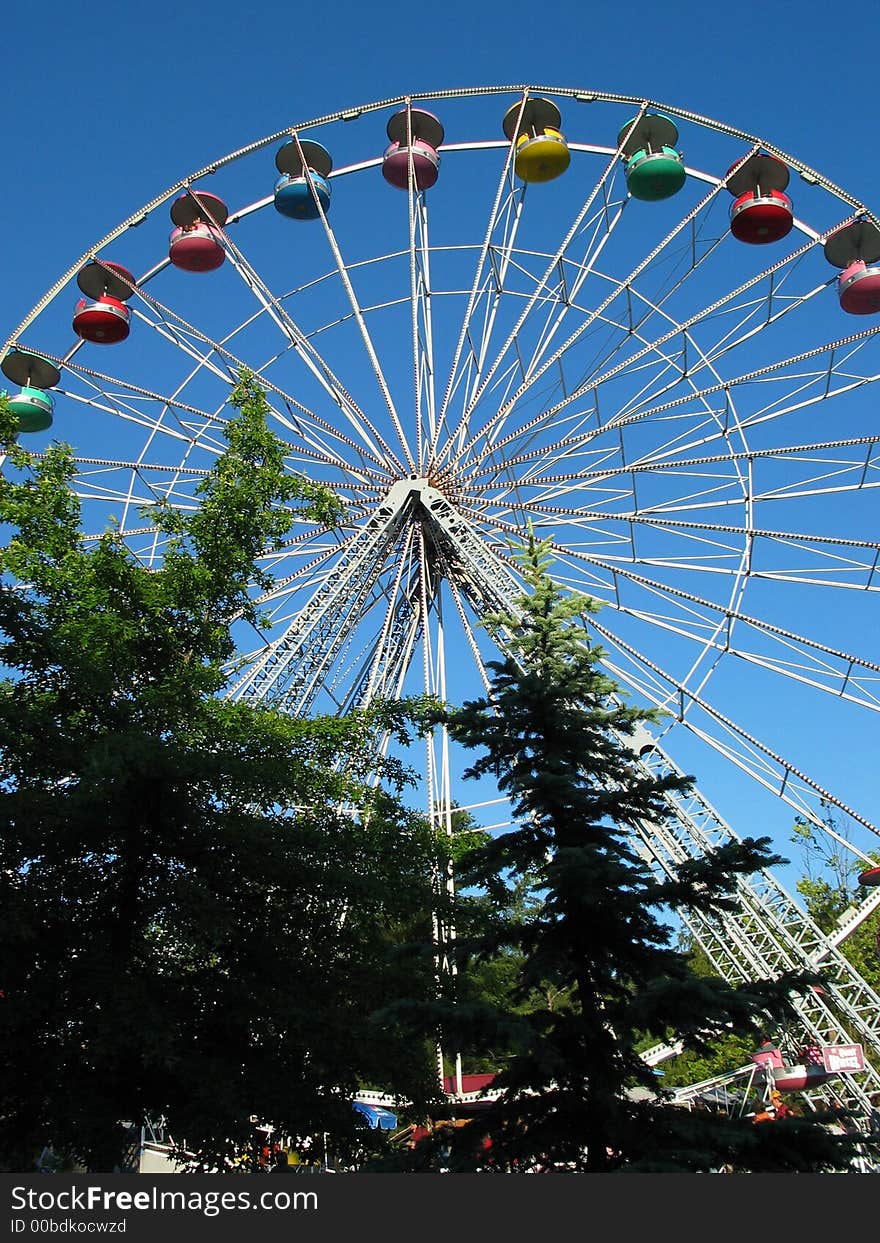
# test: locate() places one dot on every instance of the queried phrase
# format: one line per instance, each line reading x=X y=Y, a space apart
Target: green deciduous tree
x=597 y=969
x=200 y=898
x=830 y=888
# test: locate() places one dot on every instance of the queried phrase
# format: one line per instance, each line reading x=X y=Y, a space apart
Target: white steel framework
x=690 y=422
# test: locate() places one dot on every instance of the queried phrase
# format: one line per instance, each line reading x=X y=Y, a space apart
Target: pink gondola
x=854 y=248
x=196 y=244
x=415 y=135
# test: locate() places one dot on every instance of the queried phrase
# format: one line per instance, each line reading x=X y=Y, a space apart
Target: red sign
x=842 y=1058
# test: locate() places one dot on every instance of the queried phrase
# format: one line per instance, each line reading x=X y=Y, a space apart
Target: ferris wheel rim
x=368 y=475
x=580 y=95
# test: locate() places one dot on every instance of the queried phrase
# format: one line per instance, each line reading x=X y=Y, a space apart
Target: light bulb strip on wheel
x=575 y=94
x=644 y=518
x=749 y=534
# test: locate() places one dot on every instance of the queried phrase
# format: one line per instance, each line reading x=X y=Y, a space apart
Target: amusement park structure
x=662 y=366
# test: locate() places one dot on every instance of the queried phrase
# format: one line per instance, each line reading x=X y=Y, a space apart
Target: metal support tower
x=769 y=934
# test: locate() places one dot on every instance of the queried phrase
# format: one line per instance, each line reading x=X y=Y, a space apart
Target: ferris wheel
x=647 y=335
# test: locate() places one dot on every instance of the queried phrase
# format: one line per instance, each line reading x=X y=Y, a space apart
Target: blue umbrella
x=377 y=1116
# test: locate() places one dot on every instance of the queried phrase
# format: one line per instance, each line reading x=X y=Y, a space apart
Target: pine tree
x=575 y=1094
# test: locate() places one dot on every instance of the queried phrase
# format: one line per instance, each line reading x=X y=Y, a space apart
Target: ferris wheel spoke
x=543 y=285
x=800 y=391
x=838 y=465
x=550 y=293
x=99 y=382
x=754 y=300
x=304 y=349
x=705 y=356
x=233 y=366
x=504 y=218
x=556 y=299
x=637 y=408
x=421 y=317
x=630 y=329
x=420 y=301
x=710 y=624
x=429 y=687
x=554 y=296
x=795 y=392
x=567 y=482
x=479 y=324
x=702 y=542
x=345 y=278
x=589 y=320
x=203 y=435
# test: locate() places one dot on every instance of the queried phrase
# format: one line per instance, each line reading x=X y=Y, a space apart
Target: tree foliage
x=200 y=897
x=830 y=890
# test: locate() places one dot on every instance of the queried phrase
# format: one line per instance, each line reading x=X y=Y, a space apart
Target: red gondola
x=102 y=316
x=761 y=212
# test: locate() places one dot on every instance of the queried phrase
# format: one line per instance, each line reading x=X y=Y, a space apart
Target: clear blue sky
x=106 y=106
